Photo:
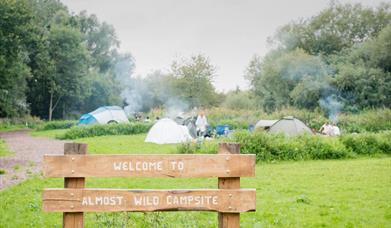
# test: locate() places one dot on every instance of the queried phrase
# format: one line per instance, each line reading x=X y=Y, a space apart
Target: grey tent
x=265 y=124
x=290 y=126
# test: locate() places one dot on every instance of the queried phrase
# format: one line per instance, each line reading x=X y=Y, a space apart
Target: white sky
x=229 y=32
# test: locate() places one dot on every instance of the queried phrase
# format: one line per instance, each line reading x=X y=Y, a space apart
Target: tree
x=335 y=28
x=363 y=73
x=286 y=78
x=15 y=29
x=69 y=58
x=193 y=81
x=239 y=100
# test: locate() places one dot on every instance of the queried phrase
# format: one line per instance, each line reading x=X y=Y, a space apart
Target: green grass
x=4 y=149
x=349 y=193
x=338 y=193
x=49 y=133
x=125 y=144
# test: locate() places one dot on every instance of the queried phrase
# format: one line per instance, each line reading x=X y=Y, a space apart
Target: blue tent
x=87 y=119
x=104 y=115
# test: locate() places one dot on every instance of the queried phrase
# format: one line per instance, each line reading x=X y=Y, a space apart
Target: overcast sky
x=229 y=32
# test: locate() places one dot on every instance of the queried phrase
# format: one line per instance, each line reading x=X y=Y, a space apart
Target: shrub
x=368 y=143
x=57 y=124
x=375 y=120
x=205 y=147
x=21 y=122
x=107 y=129
x=269 y=147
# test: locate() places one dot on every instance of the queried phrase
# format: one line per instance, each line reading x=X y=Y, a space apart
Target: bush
x=107 y=129
x=57 y=124
x=375 y=120
x=18 y=123
x=205 y=147
x=269 y=147
x=368 y=143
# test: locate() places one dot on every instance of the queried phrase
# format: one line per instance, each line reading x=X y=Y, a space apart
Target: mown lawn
x=339 y=193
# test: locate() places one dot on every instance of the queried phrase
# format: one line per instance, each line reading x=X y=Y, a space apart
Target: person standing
x=201 y=124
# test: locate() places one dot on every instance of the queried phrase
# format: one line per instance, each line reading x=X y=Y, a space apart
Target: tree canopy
x=343 y=53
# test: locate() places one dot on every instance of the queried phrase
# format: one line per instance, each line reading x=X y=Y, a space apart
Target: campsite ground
x=349 y=193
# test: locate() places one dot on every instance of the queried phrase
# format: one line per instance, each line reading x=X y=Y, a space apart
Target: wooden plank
x=227 y=165
x=98 y=200
x=74 y=219
x=229 y=220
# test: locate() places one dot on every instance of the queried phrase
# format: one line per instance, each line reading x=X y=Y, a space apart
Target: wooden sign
x=75 y=165
x=99 y=200
x=229 y=165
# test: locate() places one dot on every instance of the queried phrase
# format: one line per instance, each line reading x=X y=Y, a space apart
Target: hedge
x=57 y=124
x=272 y=147
x=107 y=129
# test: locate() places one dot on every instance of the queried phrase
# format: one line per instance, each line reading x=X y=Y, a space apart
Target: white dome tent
x=167 y=131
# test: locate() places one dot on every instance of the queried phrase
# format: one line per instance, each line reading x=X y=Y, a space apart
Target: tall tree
x=193 y=80
x=334 y=28
x=15 y=29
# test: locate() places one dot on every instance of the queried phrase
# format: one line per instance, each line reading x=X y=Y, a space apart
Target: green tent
x=290 y=126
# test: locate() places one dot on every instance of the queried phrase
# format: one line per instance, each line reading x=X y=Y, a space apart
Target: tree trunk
x=51 y=107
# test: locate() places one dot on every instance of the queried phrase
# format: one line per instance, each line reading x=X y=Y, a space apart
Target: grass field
x=50 y=133
x=340 y=193
x=3 y=149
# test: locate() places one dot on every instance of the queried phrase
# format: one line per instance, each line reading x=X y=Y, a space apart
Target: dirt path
x=27 y=157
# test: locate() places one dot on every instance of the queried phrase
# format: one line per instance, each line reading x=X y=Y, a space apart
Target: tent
x=265 y=124
x=104 y=115
x=290 y=126
x=168 y=131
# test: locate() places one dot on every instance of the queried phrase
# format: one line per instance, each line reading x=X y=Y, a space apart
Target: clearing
x=331 y=193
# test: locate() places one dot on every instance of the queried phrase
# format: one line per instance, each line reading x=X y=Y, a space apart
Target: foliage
x=15 y=31
x=374 y=120
x=56 y=124
x=363 y=73
x=107 y=129
x=337 y=27
x=292 y=78
x=193 y=82
x=55 y=62
x=19 y=122
x=270 y=147
x=204 y=147
x=339 y=54
x=368 y=143
x=239 y=100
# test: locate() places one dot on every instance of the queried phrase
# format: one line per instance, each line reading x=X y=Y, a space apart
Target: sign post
x=229 y=200
x=229 y=220
x=74 y=219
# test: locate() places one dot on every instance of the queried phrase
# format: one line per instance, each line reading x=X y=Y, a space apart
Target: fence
x=75 y=165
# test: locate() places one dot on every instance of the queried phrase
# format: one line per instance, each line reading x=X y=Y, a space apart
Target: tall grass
x=56 y=124
x=274 y=147
x=107 y=129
